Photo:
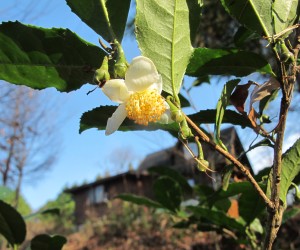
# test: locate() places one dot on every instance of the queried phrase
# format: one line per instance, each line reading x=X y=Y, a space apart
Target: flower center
x=145 y=106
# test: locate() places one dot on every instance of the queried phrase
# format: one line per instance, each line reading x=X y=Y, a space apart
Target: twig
x=230 y=157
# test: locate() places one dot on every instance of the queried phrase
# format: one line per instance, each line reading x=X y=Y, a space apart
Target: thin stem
x=288 y=80
x=230 y=157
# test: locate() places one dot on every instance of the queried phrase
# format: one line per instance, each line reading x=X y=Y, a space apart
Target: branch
x=230 y=157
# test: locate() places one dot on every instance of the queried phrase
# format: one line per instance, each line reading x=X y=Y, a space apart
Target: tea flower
x=138 y=95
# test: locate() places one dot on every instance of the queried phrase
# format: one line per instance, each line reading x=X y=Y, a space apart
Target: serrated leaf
x=97 y=118
x=173 y=174
x=12 y=225
x=290 y=169
x=40 y=58
x=223 y=102
x=285 y=14
x=163 y=35
x=230 y=116
x=168 y=193
x=91 y=12
x=206 y=61
x=139 y=200
x=47 y=242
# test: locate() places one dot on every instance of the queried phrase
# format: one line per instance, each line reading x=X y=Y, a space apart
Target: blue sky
x=84 y=157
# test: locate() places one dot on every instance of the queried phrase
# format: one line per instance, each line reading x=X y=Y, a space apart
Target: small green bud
x=102 y=75
x=202 y=165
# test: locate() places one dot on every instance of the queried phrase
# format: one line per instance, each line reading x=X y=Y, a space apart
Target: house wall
x=85 y=209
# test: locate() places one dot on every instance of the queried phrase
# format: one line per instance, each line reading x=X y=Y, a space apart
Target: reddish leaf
x=240 y=95
x=252 y=117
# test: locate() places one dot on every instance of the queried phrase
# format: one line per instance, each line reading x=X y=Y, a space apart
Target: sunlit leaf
x=266 y=17
x=91 y=12
x=290 y=169
x=206 y=61
x=40 y=58
x=163 y=34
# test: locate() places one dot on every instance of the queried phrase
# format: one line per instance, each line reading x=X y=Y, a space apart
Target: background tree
x=28 y=141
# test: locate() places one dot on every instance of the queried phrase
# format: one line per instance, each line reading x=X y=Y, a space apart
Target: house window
x=97 y=195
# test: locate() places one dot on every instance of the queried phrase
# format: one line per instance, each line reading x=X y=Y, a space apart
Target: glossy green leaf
x=219 y=218
x=173 y=174
x=40 y=58
x=139 y=200
x=168 y=193
x=223 y=102
x=290 y=169
x=163 y=34
x=47 y=242
x=230 y=116
x=206 y=61
x=12 y=225
x=92 y=13
x=97 y=118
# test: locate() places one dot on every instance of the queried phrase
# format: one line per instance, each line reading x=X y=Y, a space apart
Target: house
x=91 y=199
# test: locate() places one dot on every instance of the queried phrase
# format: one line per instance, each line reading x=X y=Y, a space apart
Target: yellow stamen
x=145 y=106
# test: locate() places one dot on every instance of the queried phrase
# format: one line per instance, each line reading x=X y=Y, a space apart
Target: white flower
x=138 y=95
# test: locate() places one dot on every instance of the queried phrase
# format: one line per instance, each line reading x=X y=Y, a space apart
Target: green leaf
x=206 y=61
x=97 y=118
x=218 y=217
x=163 y=34
x=40 y=58
x=168 y=193
x=223 y=102
x=230 y=116
x=256 y=15
x=266 y=17
x=46 y=242
x=12 y=225
x=285 y=14
x=243 y=35
x=173 y=174
x=91 y=12
x=290 y=169
x=139 y=200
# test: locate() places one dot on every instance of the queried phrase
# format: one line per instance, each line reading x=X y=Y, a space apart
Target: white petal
x=116 y=90
x=115 y=121
x=141 y=74
x=157 y=85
